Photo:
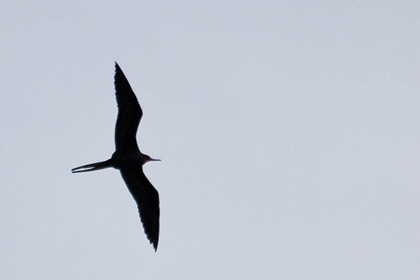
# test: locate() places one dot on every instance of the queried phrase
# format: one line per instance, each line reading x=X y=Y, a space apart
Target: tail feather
x=92 y=167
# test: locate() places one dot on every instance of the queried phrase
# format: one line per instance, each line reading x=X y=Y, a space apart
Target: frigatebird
x=129 y=160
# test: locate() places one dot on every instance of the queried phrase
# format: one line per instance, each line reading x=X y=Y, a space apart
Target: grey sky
x=288 y=132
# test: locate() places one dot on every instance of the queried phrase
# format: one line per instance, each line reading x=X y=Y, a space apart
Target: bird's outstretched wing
x=147 y=199
x=129 y=114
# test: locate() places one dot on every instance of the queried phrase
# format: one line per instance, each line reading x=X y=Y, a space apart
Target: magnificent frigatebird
x=128 y=158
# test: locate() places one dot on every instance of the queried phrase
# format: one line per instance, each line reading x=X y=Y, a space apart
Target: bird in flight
x=129 y=160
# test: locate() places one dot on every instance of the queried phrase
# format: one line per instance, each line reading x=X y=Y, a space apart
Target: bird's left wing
x=129 y=114
x=147 y=199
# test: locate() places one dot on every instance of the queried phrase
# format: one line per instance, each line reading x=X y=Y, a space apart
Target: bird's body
x=129 y=160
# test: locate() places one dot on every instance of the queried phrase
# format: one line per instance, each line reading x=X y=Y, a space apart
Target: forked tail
x=92 y=167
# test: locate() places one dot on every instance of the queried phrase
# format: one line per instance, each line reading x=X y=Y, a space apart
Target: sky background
x=288 y=132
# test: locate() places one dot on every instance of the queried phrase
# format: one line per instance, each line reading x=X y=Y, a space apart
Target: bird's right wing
x=147 y=199
x=129 y=113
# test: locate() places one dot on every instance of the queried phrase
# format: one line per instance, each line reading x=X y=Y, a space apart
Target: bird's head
x=146 y=159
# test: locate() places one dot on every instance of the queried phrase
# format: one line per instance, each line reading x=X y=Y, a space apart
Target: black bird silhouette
x=128 y=158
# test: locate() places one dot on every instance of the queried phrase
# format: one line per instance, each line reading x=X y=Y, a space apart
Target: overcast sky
x=288 y=132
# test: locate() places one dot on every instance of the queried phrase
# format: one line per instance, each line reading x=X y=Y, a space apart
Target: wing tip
x=117 y=67
x=153 y=240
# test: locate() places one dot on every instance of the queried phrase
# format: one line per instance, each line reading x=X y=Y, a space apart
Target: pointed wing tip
x=153 y=241
x=117 y=67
